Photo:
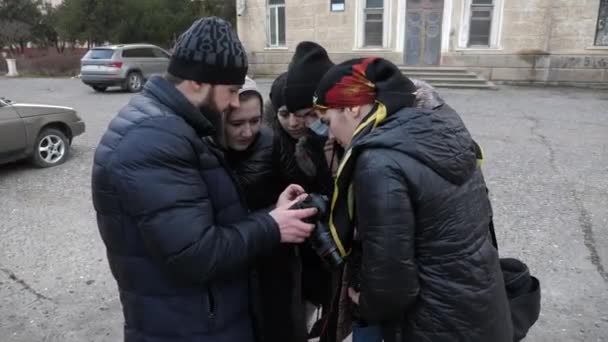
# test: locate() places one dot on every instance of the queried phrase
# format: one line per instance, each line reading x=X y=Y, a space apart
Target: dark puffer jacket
x=279 y=295
x=310 y=147
x=316 y=279
x=286 y=153
x=262 y=171
x=179 y=239
x=423 y=213
x=257 y=172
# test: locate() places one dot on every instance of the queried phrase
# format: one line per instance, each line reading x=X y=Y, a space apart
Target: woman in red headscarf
x=421 y=261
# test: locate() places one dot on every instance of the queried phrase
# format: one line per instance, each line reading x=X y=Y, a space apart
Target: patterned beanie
x=209 y=52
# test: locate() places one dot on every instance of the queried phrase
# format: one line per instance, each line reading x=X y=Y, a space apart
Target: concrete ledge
x=518 y=74
x=580 y=62
x=527 y=61
x=546 y=75
x=559 y=69
x=498 y=60
x=577 y=75
x=592 y=85
x=486 y=73
x=267 y=70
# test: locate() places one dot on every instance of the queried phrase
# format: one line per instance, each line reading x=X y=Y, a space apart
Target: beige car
x=41 y=133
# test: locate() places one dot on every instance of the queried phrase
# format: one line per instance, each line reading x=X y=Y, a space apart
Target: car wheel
x=134 y=82
x=100 y=89
x=52 y=148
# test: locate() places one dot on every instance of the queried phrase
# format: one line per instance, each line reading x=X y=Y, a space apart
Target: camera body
x=321 y=240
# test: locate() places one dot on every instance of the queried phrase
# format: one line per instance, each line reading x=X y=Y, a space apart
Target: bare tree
x=14 y=34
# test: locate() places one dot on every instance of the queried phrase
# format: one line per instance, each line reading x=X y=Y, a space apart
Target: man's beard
x=209 y=105
x=211 y=112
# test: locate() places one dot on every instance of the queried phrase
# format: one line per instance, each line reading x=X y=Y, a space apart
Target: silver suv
x=127 y=66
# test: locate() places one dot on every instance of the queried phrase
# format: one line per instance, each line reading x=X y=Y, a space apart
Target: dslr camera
x=321 y=240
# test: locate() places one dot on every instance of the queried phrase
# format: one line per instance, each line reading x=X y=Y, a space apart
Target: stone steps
x=461 y=85
x=448 y=77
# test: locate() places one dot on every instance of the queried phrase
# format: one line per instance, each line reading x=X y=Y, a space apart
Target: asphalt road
x=546 y=165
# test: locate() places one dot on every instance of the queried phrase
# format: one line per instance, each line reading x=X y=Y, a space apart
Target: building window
x=481 y=24
x=374 y=23
x=601 y=35
x=276 y=23
x=480 y=28
x=337 y=5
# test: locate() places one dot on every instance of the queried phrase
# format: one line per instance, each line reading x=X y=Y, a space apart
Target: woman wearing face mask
x=299 y=153
x=302 y=151
x=300 y=135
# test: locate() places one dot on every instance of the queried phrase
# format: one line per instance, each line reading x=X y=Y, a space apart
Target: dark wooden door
x=423 y=32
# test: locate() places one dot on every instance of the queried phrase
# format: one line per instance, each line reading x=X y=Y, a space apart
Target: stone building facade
x=544 y=41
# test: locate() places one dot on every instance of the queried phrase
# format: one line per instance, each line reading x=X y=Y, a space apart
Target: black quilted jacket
x=429 y=271
x=284 y=279
x=179 y=238
x=258 y=174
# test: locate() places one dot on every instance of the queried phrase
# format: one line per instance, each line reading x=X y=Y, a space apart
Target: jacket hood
x=251 y=87
x=426 y=96
x=434 y=135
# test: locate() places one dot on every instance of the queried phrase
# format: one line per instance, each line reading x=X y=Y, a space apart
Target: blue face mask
x=319 y=127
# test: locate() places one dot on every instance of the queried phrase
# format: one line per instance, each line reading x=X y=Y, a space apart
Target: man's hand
x=354 y=295
x=291 y=226
x=290 y=194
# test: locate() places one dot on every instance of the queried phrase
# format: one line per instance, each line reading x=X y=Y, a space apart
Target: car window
x=148 y=53
x=130 y=53
x=138 y=53
x=158 y=53
x=99 y=54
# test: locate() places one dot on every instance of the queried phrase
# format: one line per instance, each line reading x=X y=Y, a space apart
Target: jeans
x=367 y=333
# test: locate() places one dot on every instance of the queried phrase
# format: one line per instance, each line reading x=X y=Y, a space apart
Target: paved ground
x=547 y=167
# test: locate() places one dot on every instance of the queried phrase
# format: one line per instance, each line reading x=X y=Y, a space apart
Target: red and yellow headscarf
x=365 y=81
x=352 y=89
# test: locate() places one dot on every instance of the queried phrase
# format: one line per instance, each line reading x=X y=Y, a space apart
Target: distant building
x=555 y=41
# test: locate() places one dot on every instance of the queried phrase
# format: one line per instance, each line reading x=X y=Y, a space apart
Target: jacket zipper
x=211 y=303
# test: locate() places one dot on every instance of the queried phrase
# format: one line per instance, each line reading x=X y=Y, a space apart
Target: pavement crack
x=587 y=227
x=544 y=141
x=12 y=276
x=584 y=218
x=495 y=138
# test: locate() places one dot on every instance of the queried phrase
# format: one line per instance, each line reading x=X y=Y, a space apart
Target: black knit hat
x=308 y=65
x=209 y=52
x=276 y=95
